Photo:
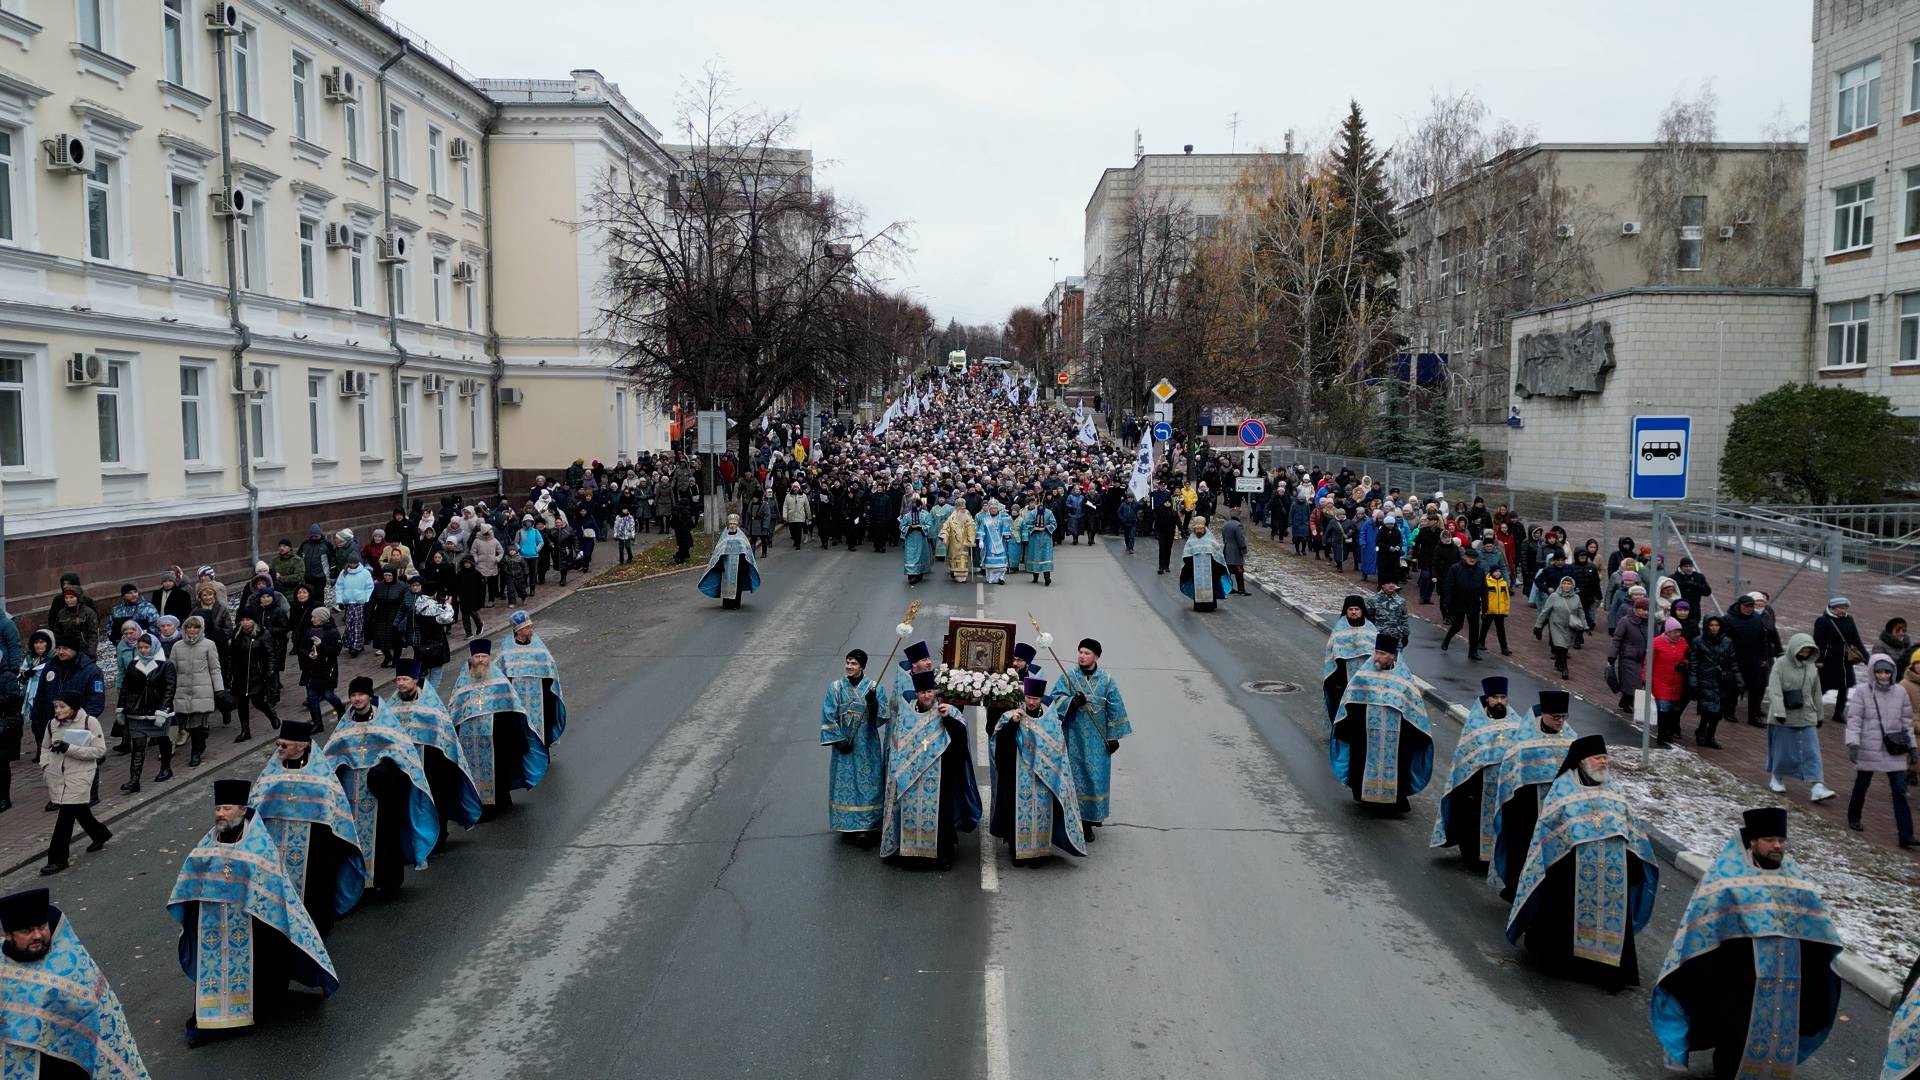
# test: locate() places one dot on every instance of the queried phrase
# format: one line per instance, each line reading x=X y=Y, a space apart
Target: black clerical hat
x=231 y=792
x=360 y=685
x=1034 y=686
x=1584 y=747
x=1091 y=646
x=1025 y=652
x=295 y=730
x=1353 y=600
x=407 y=668
x=923 y=680
x=1764 y=821
x=1493 y=686
x=25 y=910
x=917 y=652
x=480 y=647
x=1387 y=643
x=1556 y=702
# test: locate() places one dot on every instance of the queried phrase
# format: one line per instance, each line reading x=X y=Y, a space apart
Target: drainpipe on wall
x=493 y=334
x=242 y=336
x=393 y=317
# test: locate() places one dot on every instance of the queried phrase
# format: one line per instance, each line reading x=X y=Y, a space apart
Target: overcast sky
x=985 y=125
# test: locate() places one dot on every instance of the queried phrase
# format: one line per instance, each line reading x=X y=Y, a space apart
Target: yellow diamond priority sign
x=1164 y=390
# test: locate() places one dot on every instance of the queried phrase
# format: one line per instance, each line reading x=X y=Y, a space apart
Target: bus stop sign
x=1660 y=450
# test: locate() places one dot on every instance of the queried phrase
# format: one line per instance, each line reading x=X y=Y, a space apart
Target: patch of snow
x=1869 y=891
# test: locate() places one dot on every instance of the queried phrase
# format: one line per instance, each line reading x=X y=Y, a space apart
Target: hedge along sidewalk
x=1689 y=807
x=25 y=829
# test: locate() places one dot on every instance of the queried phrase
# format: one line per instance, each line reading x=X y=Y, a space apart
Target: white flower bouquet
x=995 y=689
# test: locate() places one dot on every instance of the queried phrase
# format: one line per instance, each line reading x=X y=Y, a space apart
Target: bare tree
x=1670 y=184
x=1133 y=296
x=737 y=281
x=1767 y=196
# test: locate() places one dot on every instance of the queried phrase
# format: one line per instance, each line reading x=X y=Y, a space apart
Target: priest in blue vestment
x=1750 y=973
x=731 y=570
x=941 y=512
x=1349 y=646
x=1903 y=1038
x=1529 y=765
x=442 y=756
x=244 y=931
x=993 y=533
x=1588 y=886
x=1035 y=806
x=379 y=767
x=1041 y=525
x=916 y=545
x=1023 y=665
x=529 y=665
x=1204 y=579
x=852 y=714
x=1381 y=746
x=59 y=1020
x=499 y=733
x=916 y=658
x=300 y=801
x=931 y=795
x=1094 y=721
x=1466 y=805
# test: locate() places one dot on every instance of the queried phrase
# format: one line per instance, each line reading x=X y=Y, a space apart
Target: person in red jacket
x=1669 y=679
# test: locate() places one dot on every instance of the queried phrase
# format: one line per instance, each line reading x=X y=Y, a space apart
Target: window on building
x=113 y=414
x=182 y=208
x=92 y=22
x=100 y=208
x=1693 y=231
x=1911 y=224
x=302 y=93
x=173 y=41
x=476 y=423
x=401 y=298
x=437 y=161
x=196 y=413
x=309 y=258
x=397 y=142
x=357 y=267
x=244 y=232
x=466 y=183
x=410 y=417
x=620 y=422
x=320 y=414
x=352 y=113
x=7 y=166
x=1857 y=98
x=13 y=410
x=263 y=429
x=242 y=51
x=1910 y=328
x=366 y=415
x=1913 y=80
x=1853 y=216
x=1847 y=333
x=443 y=421
x=471 y=296
x=439 y=288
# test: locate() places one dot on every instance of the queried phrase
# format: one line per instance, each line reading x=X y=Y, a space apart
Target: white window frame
x=247 y=253
x=355 y=119
x=400 y=287
x=313 y=283
x=1913 y=79
x=107 y=25
x=12 y=185
x=243 y=59
x=1847 y=333
x=397 y=142
x=113 y=195
x=366 y=412
x=410 y=419
x=439 y=273
x=477 y=422
x=1909 y=314
x=443 y=421
x=186 y=238
x=1693 y=237
x=436 y=161
x=122 y=390
x=1853 y=216
x=470 y=297
x=320 y=433
x=32 y=369
x=359 y=275
x=466 y=182
x=176 y=41
x=1911 y=224
x=302 y=82
x=1856 y=98
x=263 y=421
x=206 y=421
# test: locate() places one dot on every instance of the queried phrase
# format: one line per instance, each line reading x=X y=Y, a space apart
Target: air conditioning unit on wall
x=512 y=395
x=67 y=154
x=1629 y=228
x=85 y=369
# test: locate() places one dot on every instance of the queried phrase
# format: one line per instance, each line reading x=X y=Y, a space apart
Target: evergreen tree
x=1360 y=178
x=1390 y=435
x=1438 y=440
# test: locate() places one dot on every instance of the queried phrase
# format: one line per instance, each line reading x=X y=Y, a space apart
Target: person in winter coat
x=1337 y=532
x=1463 y=594
x=289 y=569
x=388 y=613
x=1586 y=582
x=212 y=609
x=759 y=516
x=1911 y=684
x=515 y=581
x=487 y=552
x=269 y=611
x=1387 y=611
x=249 y=664
x=70 y=670
x=146 y=707
x=1896 y=644
x=1630 y=652
x=351 y=594
x=319 y=653
x=1300 y=523
x=1838 y=640
x=13 y=659
x=1128 y=515
x=1669 y=680
x=71 y=616
x=1880 y=740
x=1793 y=712
x=1713 y=678
x=1498 y=603
x=301 y=605
x=426 y=618
x=1388 y=545
x=132 y=608
x=70 y=763
x=796 y=511
x=1757 y=644
x=197 y=685
x=1233 y=549
x=469 y=595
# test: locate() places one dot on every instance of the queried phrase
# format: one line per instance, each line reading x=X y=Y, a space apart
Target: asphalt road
x=669 y=902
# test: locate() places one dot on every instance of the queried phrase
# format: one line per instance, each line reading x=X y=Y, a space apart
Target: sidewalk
x=1689 y=801
x=24 y=830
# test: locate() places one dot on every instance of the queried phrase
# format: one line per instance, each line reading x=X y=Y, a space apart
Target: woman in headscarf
x=384 y=611
x=1880 y=740
x=1793 y=714
x=1713 y=677
x=146 y=706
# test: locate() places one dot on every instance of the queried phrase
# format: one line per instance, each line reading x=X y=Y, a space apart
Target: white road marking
x=989 y=860
x=999 y=1056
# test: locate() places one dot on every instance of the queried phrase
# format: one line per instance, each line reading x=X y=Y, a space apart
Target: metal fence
x=1775 y=549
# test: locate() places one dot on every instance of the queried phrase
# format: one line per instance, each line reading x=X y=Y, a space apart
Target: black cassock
x=1517 y=819
x=274 y=962
x=1352 y=730
x=509 y=748
x=1550 y=937
x=324 y=852
x=1463 y=818
x=393 y=823
x=445 y=782
x=1717 y=991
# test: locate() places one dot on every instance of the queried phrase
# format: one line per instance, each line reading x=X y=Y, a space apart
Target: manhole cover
x=1271 y=686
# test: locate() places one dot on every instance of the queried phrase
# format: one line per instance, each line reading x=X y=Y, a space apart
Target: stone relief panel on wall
x=1565 y=364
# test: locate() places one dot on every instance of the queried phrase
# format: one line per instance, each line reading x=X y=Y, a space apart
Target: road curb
x=265 y=741
x=1875 y=984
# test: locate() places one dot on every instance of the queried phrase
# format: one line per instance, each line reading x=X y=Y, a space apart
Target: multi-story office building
x=1196 y=188
x=1863 y=158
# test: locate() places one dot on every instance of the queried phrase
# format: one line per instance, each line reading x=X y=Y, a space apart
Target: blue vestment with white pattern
x=1482 y=746
x=352 y=751
x=532 y=671
x=1394 y=711
x=916 y=548
x=476 y=708
x=1088 y=729
x=1043 y=778
x=910 y=825
x=289 y=801
x=1903 y=1041
x=1039 y=553
x=1533 y=758
x=426 y=722
x=1591 y=824
x=61 y=1006
x=857 y=779
x=731 y=569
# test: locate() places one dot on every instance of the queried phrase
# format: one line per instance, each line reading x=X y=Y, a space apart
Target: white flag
x=1142 y=479
x=1087 y=436
x=913 y=403
x=887 y=418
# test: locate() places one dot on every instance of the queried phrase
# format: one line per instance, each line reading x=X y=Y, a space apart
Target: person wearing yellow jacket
x=1499 y=603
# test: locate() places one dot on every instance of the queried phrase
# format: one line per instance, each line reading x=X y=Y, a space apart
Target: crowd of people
x=1478 y=563
x=331 y=821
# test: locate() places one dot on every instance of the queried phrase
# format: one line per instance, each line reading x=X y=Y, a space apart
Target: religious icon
x=979 y=644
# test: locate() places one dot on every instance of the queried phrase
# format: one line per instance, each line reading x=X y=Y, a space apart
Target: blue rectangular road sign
x=1660 y=450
